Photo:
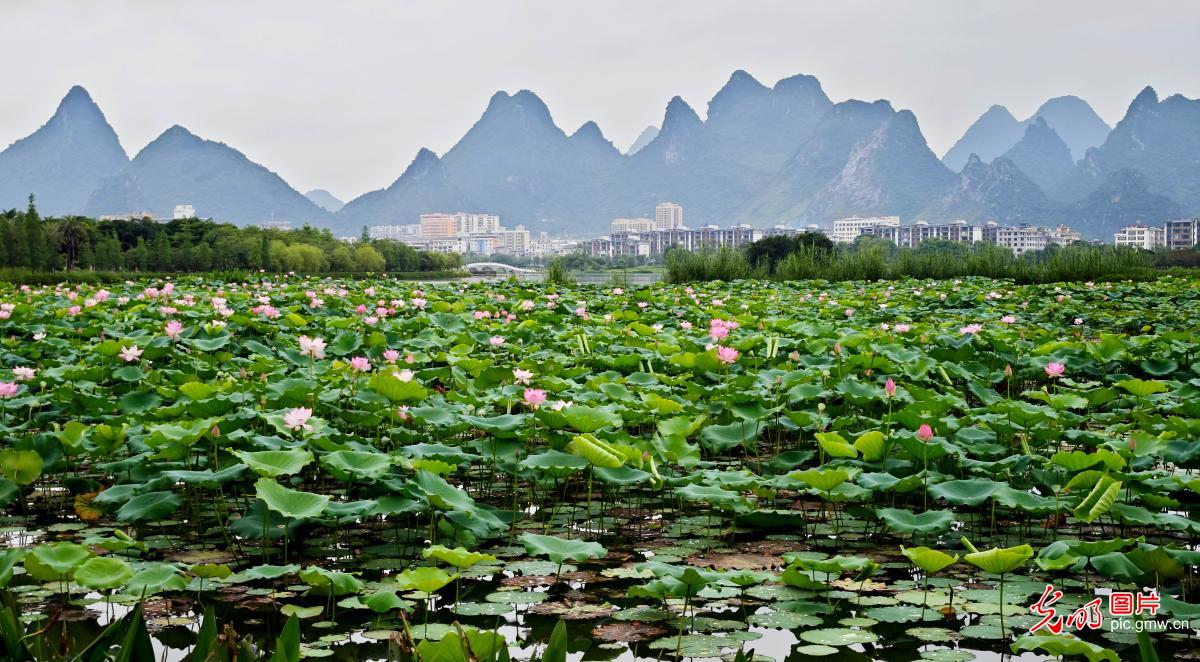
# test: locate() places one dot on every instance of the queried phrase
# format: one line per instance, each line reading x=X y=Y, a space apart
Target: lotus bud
x=890 y=388
x=925 y=433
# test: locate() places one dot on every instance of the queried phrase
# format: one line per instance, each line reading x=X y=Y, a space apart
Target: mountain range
x=762 y=155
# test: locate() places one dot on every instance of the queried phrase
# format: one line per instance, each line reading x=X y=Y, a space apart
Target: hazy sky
x=340 y=95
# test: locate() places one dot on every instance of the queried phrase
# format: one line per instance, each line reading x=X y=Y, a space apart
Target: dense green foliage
x=703 y=465
x=194 y=245
x=873 y=259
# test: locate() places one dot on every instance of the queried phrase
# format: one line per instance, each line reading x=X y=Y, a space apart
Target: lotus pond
x=480 y=471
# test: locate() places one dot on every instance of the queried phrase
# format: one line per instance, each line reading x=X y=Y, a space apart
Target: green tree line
x=814 y=257
x=28 y=241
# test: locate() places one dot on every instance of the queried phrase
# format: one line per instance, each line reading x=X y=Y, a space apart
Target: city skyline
x=351 y=124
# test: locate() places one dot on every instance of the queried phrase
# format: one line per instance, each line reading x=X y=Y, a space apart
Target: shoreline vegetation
x=809 y=257
x=192 y=245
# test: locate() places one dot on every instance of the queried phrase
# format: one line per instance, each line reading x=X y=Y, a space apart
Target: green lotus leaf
x=998 y=560
x=458 y=557
x=597 y=452
x=929 y=522
x=1142 y=388
x=1063 y=645
x=346 y=465
x=970 y=492
x=589 y=419
x=52 y=561
x=276 y=463
x=824 y=480
x=288 y=502
x=930 y=561
x=561 y=549
x=149 y=507
x=425 y=579
x=21 y=467
x=835 y=446
x=103 y=572
x=329 y=582
x=155 y=578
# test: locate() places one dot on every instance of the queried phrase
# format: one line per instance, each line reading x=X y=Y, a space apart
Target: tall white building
x=184 y=211
x=1182 y=233
x=848 y=229
x=477 y=223
x=668 y=216
x=396 y=232
x=632 y=225
x=1140 y=235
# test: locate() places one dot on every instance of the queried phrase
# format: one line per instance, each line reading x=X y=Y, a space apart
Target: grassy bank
x=877 y=261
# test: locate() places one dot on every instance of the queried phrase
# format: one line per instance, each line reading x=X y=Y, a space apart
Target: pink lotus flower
x=391 y=355
x=970 y=328
x=925 y=433
x=727 y=355
x=1008 y=319
x=889 y=387
x=496 y=341
x=297 y=419
x=902 y=328
x=404 y=375
x=173 y=329
x=618 y=291
x=685 y=325
x=534 y=397
x=849 y=312
x=312 y=347
x=522 y=376
x=24 y=373
x=8 y=389
x=402 y=413
x=1055 y=369
x=360 y=364
x=131 y=353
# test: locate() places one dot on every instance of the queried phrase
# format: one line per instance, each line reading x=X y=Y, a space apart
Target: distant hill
x=325 y=200
x=1043 y=156
x=219 y=181
x=424 y=187
x=642 y=140
x=997 y=131
x=762 y=154
x=1160 y=139
x=996 y=191
x=64 y=161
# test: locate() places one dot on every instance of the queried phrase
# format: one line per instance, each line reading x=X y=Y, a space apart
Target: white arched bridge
x=493 y=268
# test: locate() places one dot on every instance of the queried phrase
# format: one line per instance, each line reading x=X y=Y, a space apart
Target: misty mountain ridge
x=997 y=131
x=179 y=167
x=763 y=155
x=63 y=161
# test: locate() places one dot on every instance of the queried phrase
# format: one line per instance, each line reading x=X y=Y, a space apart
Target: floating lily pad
x=816 y=650
x=482 y=609
x=839 y=636
x=783 y=620
x=516 y=597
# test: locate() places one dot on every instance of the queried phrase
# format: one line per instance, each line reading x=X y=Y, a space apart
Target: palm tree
x=71 y=232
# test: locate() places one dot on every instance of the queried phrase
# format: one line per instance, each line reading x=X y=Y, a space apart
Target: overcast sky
x=341 y=95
